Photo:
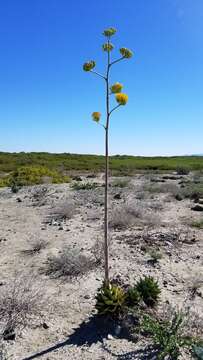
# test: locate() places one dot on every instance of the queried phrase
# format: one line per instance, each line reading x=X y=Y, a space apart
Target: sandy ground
x=163 y=223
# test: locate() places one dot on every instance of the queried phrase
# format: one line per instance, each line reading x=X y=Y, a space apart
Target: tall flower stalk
x=121 y=100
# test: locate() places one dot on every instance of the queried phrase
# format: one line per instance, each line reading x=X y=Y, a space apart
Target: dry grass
x=22 y=301
x=64 y=211
x=35 y=246
x=69 y=263
x=133 y=213
x=166 y=188
x=3 y=352
x=120 y=183
x=125 y=216
x=155 y=205
x=151 y=219
x=97 y=251
x=39 y=194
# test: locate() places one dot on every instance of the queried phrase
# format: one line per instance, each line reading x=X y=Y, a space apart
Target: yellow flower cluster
x=121 y=99
x=108 y=47
x=96 y=116
x=109 y=32
x=88 y=66
x=116 y=88
x=126 y=53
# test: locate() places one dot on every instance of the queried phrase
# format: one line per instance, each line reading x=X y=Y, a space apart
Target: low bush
x=192 y=191
x=21 y=303
x=125 y=216
x=120 y=183
x=4 y=182
x=32 y=175
x=84 y=186
x=198 y=224
x=97 y=251
x=155 y=256
x=156 y=205
x=39 y=194
x=149 y=290
x=167 y=335
x=167 y=188
x=69 y=263
x=63 y=211
x=182 y=170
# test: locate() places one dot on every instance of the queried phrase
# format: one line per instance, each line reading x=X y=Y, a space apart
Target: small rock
x=45 y=326
x=60 y=227
x=117 y=196
x=18 y=200
x=87 y=297
x=143 y=248
x=110 y=337
x=179 y=197
x=9 y=335
x=199 y=293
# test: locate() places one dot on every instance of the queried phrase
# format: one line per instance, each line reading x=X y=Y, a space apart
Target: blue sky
x=46 y=100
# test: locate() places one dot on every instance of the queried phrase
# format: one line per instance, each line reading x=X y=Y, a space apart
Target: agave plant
x=132 y=297
x=110 y=300
x=149 y=290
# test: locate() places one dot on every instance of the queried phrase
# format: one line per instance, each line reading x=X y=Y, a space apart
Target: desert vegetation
x=119 y=164
x=56 y=232
x=101 y=256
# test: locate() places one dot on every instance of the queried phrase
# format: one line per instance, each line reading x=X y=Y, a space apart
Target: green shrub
x=110 y=300
x=182 y=170
x=149 y=290
x=14 y=188
x=198 y=224
x=193 y=191
x=155 y=256
x=30 y=175
x=4 y=182
x=132 y=297
x=167 y=335
x=122 y=165
x=120 y=183
x=84 y=186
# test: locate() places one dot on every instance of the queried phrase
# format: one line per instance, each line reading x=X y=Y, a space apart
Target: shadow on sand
x=90 y=332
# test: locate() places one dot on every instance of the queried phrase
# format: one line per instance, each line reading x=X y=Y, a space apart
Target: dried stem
x=106 y=239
